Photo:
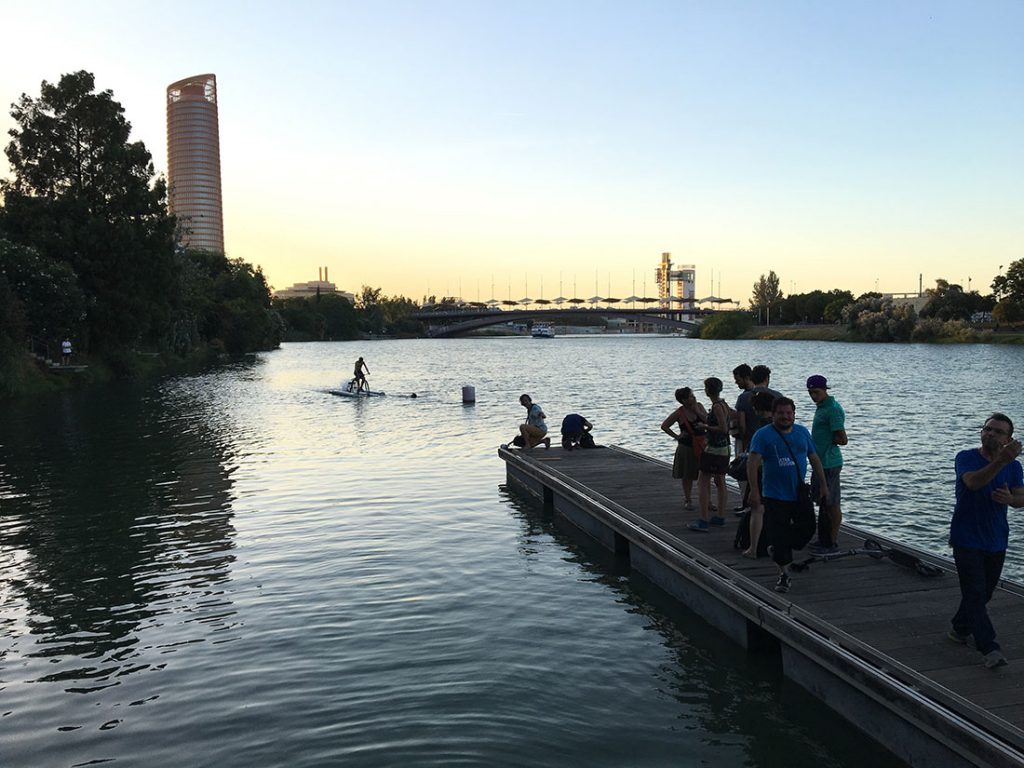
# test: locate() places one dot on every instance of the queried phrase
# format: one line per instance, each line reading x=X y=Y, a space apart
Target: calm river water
x=237 y=569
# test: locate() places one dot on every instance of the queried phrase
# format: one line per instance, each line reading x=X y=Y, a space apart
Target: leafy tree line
x=330 y=317
x=948 y=312
x=88 y=248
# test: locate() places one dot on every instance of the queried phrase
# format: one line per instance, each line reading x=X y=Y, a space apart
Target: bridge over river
x=458 y=321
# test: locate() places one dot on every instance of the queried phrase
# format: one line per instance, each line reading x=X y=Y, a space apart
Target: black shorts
x=713 y=463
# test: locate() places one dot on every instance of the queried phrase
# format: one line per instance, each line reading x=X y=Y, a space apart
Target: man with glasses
x=988 y=480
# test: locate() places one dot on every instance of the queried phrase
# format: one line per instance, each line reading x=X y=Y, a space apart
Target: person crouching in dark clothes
x=576 y=432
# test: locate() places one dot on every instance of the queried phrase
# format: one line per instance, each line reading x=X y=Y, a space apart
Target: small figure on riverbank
x=576 y=432
x=988 y=480
x=829 y=432
x=783 y=449
x=65 y=352
x=358 y=378
x=691 y=418
x=535 y=429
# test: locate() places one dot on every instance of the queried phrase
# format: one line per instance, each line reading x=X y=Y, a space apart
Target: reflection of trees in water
x=117 y=512
x=728 y=691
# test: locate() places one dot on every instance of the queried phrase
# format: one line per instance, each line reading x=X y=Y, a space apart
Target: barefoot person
x=988 y=480
x=714 y=459
x=534 y=430
x=762 y=408
x=690 y=417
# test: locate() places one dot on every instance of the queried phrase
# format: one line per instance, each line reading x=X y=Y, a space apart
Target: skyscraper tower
x=193 y=162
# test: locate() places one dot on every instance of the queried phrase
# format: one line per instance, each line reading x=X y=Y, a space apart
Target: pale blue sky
x=415 y=145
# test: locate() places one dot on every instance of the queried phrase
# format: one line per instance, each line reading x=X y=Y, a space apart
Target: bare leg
x=723 y=494
x=527 y=442
x=756 y=524
x=836 y=516
x=703 y=491
x=688 y=491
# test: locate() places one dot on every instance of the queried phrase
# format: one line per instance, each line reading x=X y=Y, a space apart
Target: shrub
x=724 y=325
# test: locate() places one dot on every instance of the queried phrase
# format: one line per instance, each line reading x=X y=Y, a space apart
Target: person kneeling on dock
x=988 y=480
x=534 y=430
x=784 y=449
x=576 y=432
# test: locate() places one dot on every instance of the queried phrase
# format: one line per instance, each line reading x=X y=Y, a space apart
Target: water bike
x=349 y=389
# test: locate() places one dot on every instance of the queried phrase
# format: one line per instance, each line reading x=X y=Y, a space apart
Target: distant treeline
x=949 y=312
x=330 y=317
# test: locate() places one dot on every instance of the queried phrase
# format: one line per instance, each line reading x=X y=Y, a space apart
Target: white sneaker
x=995 y=659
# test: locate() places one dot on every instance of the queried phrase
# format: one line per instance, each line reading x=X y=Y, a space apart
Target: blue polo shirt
x=779 y=474
x=978 y=522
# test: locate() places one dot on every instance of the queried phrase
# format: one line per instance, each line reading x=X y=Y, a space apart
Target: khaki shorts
x=834 y=492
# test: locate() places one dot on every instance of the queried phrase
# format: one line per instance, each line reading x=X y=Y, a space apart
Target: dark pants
x=979 y=573
x=778 y=520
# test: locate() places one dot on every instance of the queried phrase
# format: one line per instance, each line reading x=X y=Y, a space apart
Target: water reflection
x=712 y=687
x=116 y=515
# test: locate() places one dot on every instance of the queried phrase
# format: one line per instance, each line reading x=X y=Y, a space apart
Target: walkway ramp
x=865 y=635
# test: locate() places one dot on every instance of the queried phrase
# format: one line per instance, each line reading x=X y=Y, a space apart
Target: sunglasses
x=994 y=431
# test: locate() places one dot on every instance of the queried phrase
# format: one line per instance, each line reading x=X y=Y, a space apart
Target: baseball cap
x=817 y=382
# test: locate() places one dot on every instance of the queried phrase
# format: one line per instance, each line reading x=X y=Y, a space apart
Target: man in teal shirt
x=828 y=432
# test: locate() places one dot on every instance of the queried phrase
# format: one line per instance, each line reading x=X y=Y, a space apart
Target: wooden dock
x=864 y=635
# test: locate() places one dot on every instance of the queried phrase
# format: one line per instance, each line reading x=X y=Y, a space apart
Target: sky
x=489 y=149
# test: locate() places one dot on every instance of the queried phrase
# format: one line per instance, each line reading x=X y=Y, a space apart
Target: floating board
x=354 y=393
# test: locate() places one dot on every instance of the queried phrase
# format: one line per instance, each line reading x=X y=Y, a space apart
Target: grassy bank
x=841 y=333
x=22 y=376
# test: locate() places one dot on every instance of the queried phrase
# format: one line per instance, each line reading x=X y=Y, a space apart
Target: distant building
x=676 y=286
x=321 y=286
x=193 y=162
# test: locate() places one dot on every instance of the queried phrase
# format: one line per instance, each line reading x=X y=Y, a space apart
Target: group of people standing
x=777 y=452
x=989 y=480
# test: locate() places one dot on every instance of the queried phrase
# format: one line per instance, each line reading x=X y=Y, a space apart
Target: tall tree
x=84 y=194
x=767 y=295
x=1011 y=285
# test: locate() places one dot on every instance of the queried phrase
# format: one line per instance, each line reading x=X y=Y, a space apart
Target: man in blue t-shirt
x=988 y=479
x=784 y=449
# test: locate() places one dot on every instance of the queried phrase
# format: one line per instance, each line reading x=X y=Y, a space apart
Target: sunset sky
x=439 y=147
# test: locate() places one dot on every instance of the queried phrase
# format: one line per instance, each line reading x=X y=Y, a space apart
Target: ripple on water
x=239 y=569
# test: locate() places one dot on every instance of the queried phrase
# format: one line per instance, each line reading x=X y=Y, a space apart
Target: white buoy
x=468 y=394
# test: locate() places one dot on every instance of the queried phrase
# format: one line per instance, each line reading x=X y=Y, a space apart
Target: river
x=238 y=569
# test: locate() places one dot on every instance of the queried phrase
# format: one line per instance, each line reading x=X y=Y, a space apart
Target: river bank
x=841 y=333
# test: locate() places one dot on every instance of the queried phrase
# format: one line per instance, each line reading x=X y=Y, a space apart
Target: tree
x=1011 y=285
x=52 y=304
x=767 y=295
x=949 y=301
x=1009 y=312
x=83 y=194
